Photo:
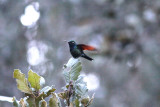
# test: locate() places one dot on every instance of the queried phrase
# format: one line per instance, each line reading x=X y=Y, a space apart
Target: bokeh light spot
x=31 y=16
x=33 y=56
x=92 y=81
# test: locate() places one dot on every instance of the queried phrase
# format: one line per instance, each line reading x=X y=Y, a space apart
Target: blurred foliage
x=76 y=89
x=73 y=94
x=34 y=96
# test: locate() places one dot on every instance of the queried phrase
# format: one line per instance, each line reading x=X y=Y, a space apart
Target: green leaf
x=34 y=80
x=76 y=103
x=62 y=95
x=22 y=103
x=31 y=101
x=73 y=72
x=45 y=92
x=81 y=89
x=66 y=76
x=91 y=100
x=85 y=101
x=43 y=103
x=22 y=82
x=53 y=102
x=15 y=102
x=80 y=80
x=47 y=89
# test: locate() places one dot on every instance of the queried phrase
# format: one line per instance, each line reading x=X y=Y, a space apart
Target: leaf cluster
x=31 y=86
x=74 y=94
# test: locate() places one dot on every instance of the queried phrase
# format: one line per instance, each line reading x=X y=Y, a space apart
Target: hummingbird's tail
x=87 y=57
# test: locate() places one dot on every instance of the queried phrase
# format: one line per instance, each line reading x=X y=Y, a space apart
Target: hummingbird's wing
x=86 y=47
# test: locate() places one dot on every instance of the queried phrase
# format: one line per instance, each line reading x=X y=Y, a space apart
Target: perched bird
x=76 y=50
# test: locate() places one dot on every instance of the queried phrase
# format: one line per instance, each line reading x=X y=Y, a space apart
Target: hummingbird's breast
x=75 y=53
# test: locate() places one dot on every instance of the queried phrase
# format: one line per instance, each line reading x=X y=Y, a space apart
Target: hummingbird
x=76 y=50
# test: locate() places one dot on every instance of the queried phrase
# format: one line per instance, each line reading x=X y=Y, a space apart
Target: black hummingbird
x=76 y=50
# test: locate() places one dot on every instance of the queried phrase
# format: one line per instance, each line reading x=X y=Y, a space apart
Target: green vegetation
x=75 y=92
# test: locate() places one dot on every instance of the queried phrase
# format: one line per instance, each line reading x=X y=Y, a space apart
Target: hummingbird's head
x=72 y=43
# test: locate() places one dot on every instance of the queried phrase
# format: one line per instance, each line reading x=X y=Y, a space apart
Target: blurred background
x=126 y=69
